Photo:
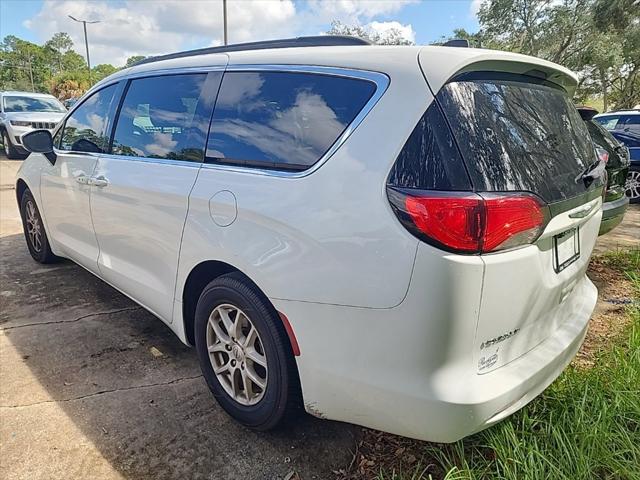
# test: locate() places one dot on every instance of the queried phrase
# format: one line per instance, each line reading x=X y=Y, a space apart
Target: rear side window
x=630 y=123
x=166 y=117
x=84 y=130
x=516 y=133
x=429 y=159
x=282 y=120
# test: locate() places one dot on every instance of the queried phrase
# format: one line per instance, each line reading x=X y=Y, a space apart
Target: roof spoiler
x=457 y=42
x=586 y=113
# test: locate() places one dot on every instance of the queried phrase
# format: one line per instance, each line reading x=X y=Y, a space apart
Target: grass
x=594 y=102
x=586 y=425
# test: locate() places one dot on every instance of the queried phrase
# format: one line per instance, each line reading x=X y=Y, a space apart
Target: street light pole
x=224 y=19
x=86 y=41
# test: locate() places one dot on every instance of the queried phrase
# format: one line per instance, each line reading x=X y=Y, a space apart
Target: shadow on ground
x=93 y=385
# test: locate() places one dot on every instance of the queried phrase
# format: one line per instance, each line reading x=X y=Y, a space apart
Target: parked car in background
x=620 y=121
x=392 y=236
x=616 y=157
x=21 y=112
x=70 y=102
x=632 y=142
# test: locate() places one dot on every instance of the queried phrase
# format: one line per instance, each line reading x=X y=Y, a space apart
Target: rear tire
x=632 y=185
x=9 y=150
x=34 y=233
x=228 y=310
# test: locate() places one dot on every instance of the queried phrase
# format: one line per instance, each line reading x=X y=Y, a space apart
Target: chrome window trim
x=380 y=80
x=109 y=156
x=162 y=161
x=172 y=71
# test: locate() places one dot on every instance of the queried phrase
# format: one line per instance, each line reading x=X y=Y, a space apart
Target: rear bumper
x=410 y=370
x=520 y=381
x=612 y=214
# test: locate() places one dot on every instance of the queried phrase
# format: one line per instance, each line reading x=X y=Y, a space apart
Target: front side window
x=282 y=120
x=84 y=130
x=32 y=104
x=166 y=117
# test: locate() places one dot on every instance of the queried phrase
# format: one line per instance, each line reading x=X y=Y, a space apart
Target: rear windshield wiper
x=592 y=172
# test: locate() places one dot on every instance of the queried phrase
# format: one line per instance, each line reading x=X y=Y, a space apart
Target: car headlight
x=20 y=123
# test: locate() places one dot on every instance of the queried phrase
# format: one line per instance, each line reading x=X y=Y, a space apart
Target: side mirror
x=39 y=141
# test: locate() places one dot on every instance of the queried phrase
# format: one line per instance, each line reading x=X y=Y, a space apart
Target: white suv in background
x=390 y=236
x=21 y=112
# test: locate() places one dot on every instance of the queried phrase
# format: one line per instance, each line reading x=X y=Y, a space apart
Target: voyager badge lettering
x=501 y=338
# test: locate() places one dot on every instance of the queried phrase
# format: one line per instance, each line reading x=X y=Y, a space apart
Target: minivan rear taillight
x=468 y=222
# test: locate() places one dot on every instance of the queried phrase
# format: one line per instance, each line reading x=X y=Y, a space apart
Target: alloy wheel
x=5 y=144
x=34 y=226
x=237 y=354
x=632 y=185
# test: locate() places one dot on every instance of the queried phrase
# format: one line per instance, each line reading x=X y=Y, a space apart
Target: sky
x=147 y=27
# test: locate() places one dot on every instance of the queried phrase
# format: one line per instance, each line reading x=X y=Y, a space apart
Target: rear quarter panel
x=327 y=237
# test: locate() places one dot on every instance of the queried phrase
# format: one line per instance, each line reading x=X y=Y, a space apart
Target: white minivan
x=390 y=236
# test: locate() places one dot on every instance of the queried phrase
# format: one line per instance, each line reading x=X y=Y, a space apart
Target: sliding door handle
x=82 y=179
x=99 y=181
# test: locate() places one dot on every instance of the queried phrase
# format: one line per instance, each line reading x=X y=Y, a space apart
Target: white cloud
x=354 y=11
x=137 y=27
x=147 y=28
x=383 y=28
x=474 y=7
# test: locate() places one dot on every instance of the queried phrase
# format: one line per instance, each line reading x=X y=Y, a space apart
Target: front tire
x=632 y=185
x=9 y=150
x=34 y=233
x=244 y=353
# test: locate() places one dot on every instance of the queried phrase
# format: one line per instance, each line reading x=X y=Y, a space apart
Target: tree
x=621 y=19
x=60 y=43
x=101 y=71
x=52 y=67
x=392 y=36
x=542 y=28
x=72 y=61
x=24 y=65
x=133 y=60
x=599 y=39
x=475 y=39
x=69 y=84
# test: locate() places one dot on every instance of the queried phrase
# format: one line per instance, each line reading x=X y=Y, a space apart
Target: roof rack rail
x=313 y=41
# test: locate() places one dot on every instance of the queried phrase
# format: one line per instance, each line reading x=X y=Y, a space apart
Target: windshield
x=32 y=104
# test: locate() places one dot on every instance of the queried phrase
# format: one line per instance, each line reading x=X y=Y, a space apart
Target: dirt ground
x=93 y=386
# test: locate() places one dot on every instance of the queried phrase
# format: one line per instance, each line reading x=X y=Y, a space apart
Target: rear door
x=518 y=133
x=630 y=124
x=141 y=194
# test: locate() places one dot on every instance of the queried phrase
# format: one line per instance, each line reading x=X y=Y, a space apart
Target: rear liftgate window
x=518 y=133
x=481 y=166
x=282 y=120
